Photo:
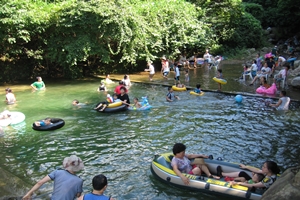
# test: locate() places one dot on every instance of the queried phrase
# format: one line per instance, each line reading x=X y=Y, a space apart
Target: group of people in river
x=68 y=186
x=261 y=178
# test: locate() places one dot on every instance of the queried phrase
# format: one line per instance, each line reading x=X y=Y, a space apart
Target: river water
x=122 y=145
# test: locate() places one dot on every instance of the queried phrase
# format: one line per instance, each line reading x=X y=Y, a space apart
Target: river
x=122 y=145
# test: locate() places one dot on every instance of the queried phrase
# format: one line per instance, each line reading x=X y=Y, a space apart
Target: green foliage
x=256 y=10
x=75 y=38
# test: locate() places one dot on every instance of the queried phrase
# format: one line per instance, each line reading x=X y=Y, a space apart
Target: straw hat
x=73 y=163
x=198 y=161
x=164 y=58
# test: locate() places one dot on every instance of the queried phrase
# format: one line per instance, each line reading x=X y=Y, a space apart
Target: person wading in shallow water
x=67 y=185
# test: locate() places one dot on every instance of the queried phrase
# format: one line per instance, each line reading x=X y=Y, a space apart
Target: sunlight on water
x=122 y=145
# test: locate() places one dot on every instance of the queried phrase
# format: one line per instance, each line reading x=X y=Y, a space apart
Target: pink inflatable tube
x=268 y=55
x=271 y=90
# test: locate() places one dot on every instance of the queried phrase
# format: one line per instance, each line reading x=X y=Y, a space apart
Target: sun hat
x=198 y=161
x=164 y=58
x=73 y=163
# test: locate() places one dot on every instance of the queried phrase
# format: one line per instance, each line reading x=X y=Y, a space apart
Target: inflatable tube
x=219 y=80
x=200 y=61
x=113 y=105
x=161 y=169
x=5 y=122
x=15 y=118
x=291 y=59
x=146 y=107
x=114 y=109
x=56 y=123
x=178 y=89
x=271 y=90
x=197 y=94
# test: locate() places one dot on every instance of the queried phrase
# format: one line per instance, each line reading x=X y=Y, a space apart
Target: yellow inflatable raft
x=219 y=80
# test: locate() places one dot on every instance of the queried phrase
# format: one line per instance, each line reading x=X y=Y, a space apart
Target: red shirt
x=118 y=88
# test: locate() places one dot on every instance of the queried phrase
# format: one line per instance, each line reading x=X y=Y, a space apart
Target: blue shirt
x=66 y=185
x=197 y=90
x=91 y=196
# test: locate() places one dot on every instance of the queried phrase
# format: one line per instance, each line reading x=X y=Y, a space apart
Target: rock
x=296 y=64
x=265 y=49
x=295 y=72
x=287 y=187
x=12 y=187
x=296 y=83
x=252 y=50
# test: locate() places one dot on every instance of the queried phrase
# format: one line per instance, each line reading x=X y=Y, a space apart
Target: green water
x=122 y=145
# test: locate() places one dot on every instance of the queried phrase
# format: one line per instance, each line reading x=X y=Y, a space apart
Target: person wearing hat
x=67 y=185
x=39 y=84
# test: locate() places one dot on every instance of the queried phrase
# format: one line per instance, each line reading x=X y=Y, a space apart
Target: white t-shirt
x=281 y=58
x=254 y=67
x=10 y=97
x=265 y=70
x=284 y=104
x=283 y=73
x=177 y=71
x=151 y=69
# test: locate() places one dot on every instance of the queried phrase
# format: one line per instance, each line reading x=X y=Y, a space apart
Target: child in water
x=180 y=85
x=186 y=76
x=170 y=96
x=220 y=76
x=102 y=87
x=44 y=122
x=197 y=89
x=136 y=104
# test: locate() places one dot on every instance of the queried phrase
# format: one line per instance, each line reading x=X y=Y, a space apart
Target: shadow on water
x=122 y=145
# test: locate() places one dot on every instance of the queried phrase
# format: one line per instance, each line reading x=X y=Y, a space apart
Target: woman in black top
x=123 y=96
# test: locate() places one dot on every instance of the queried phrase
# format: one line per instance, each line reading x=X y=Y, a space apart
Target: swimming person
x=99 y=186
x=104 y=104
x=102 y=87
x=170 y=96
x=197 y=89
x=136 y=104
x=39 y=84
x=44 y=122
x=10 y=97
x=283 y=102
x=220 y=76
x=66 y=184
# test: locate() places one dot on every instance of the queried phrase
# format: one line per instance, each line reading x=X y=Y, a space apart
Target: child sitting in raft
x=104 y=104
x=44 y=122
x=220 y=76
x=136 y=104
x=197 y=89
x=102 y=87
x=180 y=85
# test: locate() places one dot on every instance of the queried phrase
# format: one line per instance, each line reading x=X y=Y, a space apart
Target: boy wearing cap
x=66 y=184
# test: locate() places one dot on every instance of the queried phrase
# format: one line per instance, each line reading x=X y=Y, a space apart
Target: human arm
x=257 y=185
x=185 y=180
x=168 y=99
x=36 y=187
x=277 y=104
x=177 y=97
x=253 y=169
x=33 y=86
